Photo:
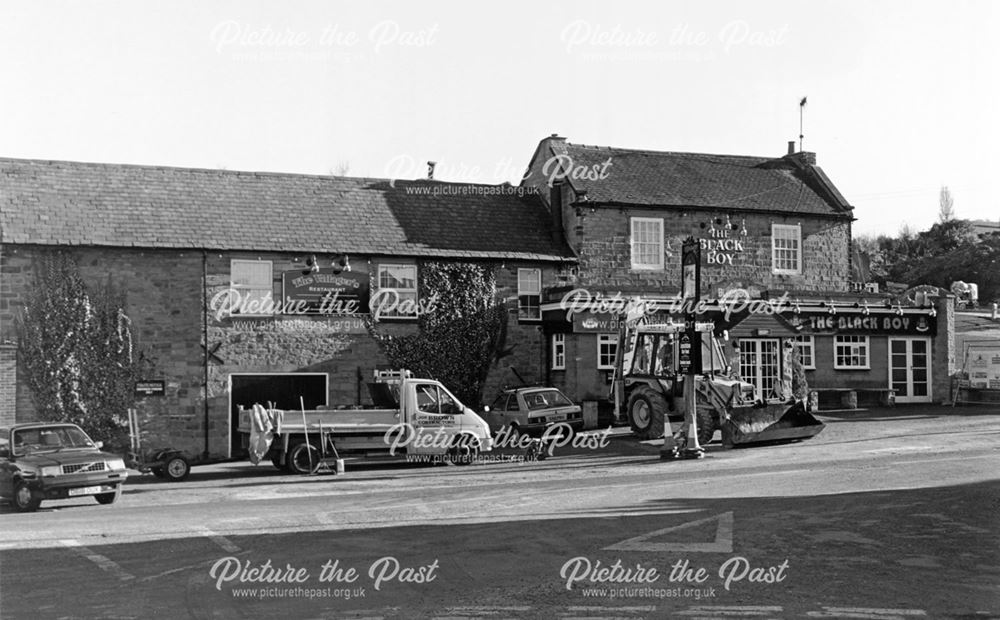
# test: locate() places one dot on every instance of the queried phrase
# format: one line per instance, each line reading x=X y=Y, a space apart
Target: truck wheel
x=647 y=410
x=109 y=498
x=465 y=451
x=176 y=468
x=25 y=500
x=708 y=423
x=303 y=459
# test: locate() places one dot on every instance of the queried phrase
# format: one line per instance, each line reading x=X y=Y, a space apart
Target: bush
x=78 y=350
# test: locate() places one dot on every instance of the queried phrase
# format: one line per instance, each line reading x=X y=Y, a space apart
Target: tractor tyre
x=647 y=410
x=708 y=423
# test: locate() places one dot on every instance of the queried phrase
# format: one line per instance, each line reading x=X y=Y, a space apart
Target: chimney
x=430 y=170
x=791 y=147
x=556 y=208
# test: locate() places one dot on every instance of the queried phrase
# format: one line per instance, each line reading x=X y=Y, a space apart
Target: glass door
x=760 y=365
x=910 y=369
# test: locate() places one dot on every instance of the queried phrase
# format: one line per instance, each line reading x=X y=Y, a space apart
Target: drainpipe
x=204 y=329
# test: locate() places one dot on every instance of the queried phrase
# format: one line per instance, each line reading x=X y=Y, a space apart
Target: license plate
x=84 y=491
x=556 y=417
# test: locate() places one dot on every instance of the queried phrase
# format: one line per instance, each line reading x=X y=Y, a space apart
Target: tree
x=460 y=338
x=946 y=205
x=77 y=349
x=971 y=262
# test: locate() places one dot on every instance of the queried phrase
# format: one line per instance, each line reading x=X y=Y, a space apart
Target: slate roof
x=91 y=204
x=660 y=178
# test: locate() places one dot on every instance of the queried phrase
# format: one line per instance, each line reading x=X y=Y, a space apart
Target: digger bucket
x=770 y=423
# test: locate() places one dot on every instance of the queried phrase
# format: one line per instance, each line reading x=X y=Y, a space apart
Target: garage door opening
x=284 y=390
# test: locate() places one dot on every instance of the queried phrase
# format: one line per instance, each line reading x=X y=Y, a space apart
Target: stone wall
x=604 y=247
x=166 y=294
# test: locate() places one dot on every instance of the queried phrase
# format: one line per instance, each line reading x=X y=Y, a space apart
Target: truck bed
x=339 y=421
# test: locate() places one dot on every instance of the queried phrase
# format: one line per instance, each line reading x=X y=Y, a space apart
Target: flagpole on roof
x=802 y=106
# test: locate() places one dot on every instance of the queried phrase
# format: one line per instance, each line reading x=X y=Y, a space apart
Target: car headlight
x=51 y=470
x=116 y=464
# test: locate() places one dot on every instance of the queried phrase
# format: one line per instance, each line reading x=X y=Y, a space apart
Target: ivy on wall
x=460 y=338
x=77 y=349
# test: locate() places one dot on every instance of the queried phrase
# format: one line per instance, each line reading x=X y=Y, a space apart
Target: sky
x=902 y=95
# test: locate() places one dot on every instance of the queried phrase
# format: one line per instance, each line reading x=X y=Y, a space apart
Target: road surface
x=886 y=514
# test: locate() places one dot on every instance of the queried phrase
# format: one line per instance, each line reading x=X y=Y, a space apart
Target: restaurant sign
x=872 y=325
x=326 y=291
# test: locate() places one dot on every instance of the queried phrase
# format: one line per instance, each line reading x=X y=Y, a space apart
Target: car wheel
x=303 y=459
x=25 y=500
x=109 y=498
x=176 y=468
x=514 y=434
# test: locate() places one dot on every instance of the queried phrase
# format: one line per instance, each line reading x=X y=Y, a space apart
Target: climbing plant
x=77 y=349
x=459 y=336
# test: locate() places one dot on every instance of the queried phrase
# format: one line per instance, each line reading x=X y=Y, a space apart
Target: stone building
x=200 y=253
x=769 y=228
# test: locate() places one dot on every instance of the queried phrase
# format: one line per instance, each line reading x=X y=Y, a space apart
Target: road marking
x=866 y=613
x=103 y=562
x=467 y=612
x=572 y=612
x=606 y=608
x=220 y=540
x=731 y=611
x=723 y=538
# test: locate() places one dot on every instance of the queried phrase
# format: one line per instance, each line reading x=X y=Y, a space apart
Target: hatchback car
x=530 y=410
x=56 y=461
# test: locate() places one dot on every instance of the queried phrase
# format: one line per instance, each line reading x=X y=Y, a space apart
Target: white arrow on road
x=723 y=538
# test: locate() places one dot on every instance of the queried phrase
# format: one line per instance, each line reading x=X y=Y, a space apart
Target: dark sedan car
x=56 y=461
x=530 y=410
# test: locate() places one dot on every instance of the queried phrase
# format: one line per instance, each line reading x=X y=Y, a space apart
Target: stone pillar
x=943 y=348
x=8 y=384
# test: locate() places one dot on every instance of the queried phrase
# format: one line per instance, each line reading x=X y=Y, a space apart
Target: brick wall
x=943 y=348
x=8 y=383
x=163 y=297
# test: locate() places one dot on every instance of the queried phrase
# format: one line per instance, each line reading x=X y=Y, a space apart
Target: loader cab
x=656 y=355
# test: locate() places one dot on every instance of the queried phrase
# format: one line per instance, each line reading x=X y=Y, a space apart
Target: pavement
x=888 y=513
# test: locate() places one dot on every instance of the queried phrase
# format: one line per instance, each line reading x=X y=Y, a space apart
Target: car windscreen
x=545 y=398
x=45 y=438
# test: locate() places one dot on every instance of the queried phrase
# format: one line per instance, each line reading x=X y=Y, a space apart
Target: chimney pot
x=430 y=170
x=791 y=147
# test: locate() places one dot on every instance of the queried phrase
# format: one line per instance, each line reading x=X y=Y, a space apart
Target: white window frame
x=809 y=342
x=851 y=341
x=535 y=290
x=611 y=341
x=260 y=287
x=558 y=351
x=400 y=291
x=635 y=242
x=780 y=232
